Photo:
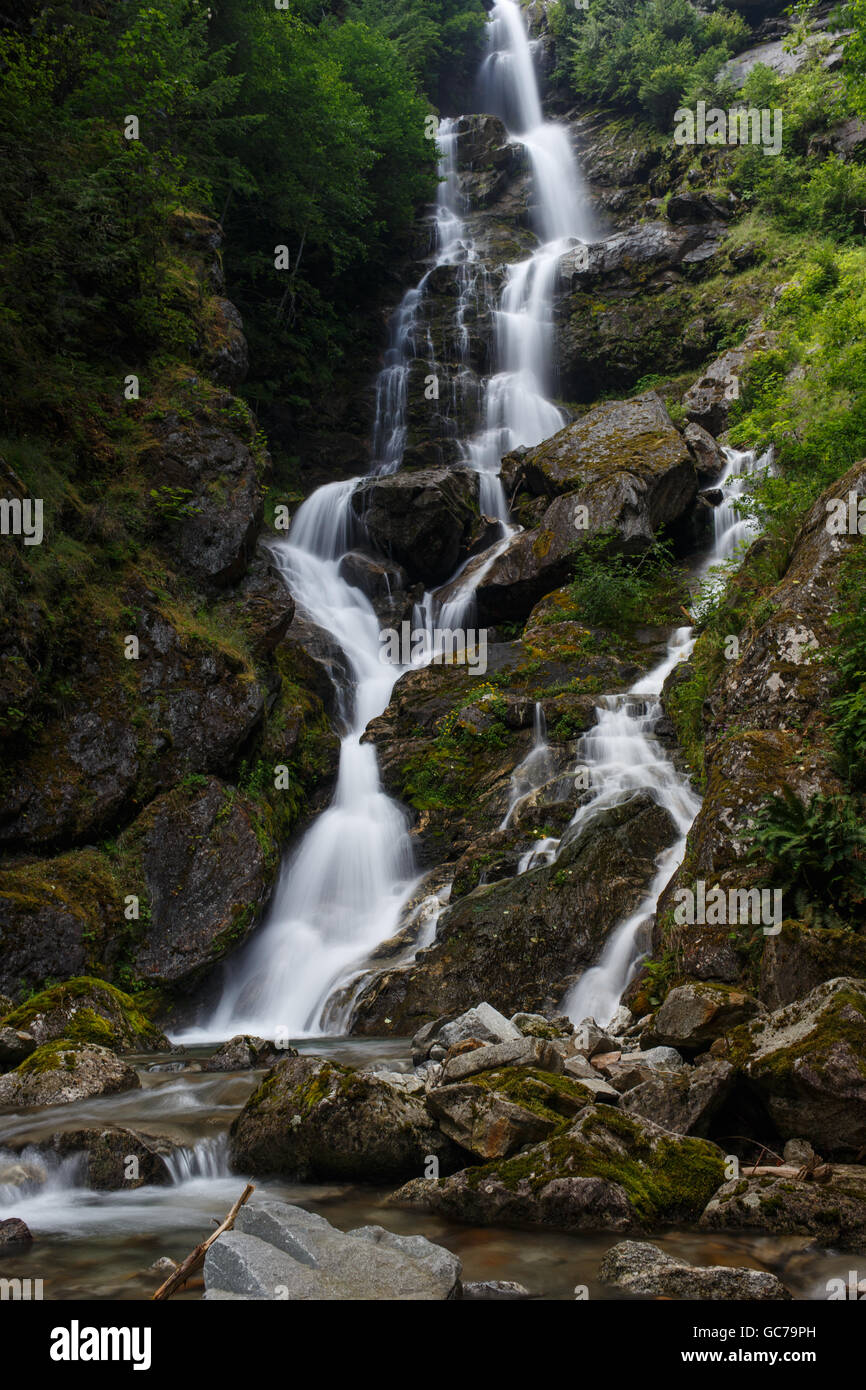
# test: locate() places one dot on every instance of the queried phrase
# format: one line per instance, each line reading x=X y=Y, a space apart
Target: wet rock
x=694 y=1014
x=387 y=586
x=228 y=357
x=637 y=1267
x=624 y=463
x=423 y=519
x=15 y=1045
x=244 y=1052
x=208 y=877
x=708 y=456
x=607 y=1172
x=64 y=1071
x=115 y=1159
x=684 y=1102
x=264 y=604
x=277 y=1251
x=523 y=942
x=90 y=1011
x=14 y=1232
x=311 y=1119
x=807 y=1063
x=834 y=1212
x=490 y=1290
x=708 y=402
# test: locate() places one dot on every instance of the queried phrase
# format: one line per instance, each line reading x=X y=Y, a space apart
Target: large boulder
x=63 y=1071
x=424 y=519
x=114 y=1159
x=91 y=1011
x=694 y=1014
x=807 y=1063
x=686 y=1101
x=311 y=1119
x=607 y=1172
x=277 y=1251
x=625 y=463
x=639 y=1268
x=802 y=956
x=492 y=1114
x=522 y=942
x=834 y=1211
x=243 y=1052
x=708 y=402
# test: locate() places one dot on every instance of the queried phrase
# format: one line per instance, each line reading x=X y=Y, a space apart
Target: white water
x=623 y=757
x=344 y=888
x=535 y=769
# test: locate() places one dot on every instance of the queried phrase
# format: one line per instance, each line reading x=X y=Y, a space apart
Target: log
x=194 y=1260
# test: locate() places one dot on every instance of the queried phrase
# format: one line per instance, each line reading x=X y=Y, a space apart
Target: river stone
x=422 y=518
x=694 y=1014
x=88 y=1010
x=807 y=1062
x=495 y=1114
x=60 y=1072
x=277 y=1251
x=14 y=1232
x=834 y=1212
x=637 y=1267
x=686 y=1101
x=313 y=1119
x=557 y=1183
x=525 y=1052
x=107 y=1153
x=243 y=1052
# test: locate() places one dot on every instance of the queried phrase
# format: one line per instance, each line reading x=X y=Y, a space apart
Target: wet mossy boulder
x=807 y=1064
x=695 y=1013
x=685 y=1101
x=607 y=1172
x=639 y=1268
x=114 y=1159
x=63 y=1071
x=88 y=1011
x=495 y=1113
x=312 y=1119
x=834 y=1212
x=424 y=518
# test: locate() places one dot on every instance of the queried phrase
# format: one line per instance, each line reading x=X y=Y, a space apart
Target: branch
x=192 y=1262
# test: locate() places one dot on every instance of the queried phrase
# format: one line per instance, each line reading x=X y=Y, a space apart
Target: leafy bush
x=611 y=590
x=816 y=849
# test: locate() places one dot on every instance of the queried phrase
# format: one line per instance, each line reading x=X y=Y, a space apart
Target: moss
x=553 y=1098
x=53 y=1056
x=87 y=1025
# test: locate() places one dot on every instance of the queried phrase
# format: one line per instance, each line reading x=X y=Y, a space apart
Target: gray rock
x=488 y=1290
x=590 y=1039
x=524 y=1052
x=640 y=1268
x=707 y=452
x=422 y=518
x=693 y=1015
x=622 y=1019
x=834 y=1211
x=485 y=1123
x=484 y=1023
x=684 y=1102
x=279 y=1252
x=59 y=1073
x=15 y=1045
x=244 y=1052
x=708 y=402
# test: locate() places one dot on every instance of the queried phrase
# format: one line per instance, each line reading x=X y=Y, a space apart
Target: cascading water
x=535 y=769
x=343 y=889
x=623 y=757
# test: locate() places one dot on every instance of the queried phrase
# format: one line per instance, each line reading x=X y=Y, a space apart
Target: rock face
x=807 y=1063
x=607 y=1172
x=277 y=1251
x=423 y=519
x=834 y=1212
x=708 y=402
x=637 y=1267
x=312 y=1119
x=208 y=877
x=522 y=941
x=801 y=957
x=624 y=462
x=90 y=1011
x=60 y=1072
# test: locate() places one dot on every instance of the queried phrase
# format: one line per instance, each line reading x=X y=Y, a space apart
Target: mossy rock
x=63 y=1071
x=86 y=1010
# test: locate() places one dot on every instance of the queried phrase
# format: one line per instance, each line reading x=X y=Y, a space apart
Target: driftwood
x=192 y=1262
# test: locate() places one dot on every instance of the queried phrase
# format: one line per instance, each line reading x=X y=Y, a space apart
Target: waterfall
x=623 y=757
x=535 y=769
x=344 y=888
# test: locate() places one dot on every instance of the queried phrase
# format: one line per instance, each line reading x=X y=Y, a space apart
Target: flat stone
x=525 y=1052
x=637 y=1267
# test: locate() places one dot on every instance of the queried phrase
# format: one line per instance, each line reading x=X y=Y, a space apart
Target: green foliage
x=655 y=55
x=610 y=590
x=848 y=709
x=440 y=40
x=816 y=849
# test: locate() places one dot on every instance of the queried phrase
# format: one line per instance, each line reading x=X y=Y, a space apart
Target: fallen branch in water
x=192 y=1262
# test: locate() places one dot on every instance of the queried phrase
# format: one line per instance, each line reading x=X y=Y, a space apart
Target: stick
x=192 y=1262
